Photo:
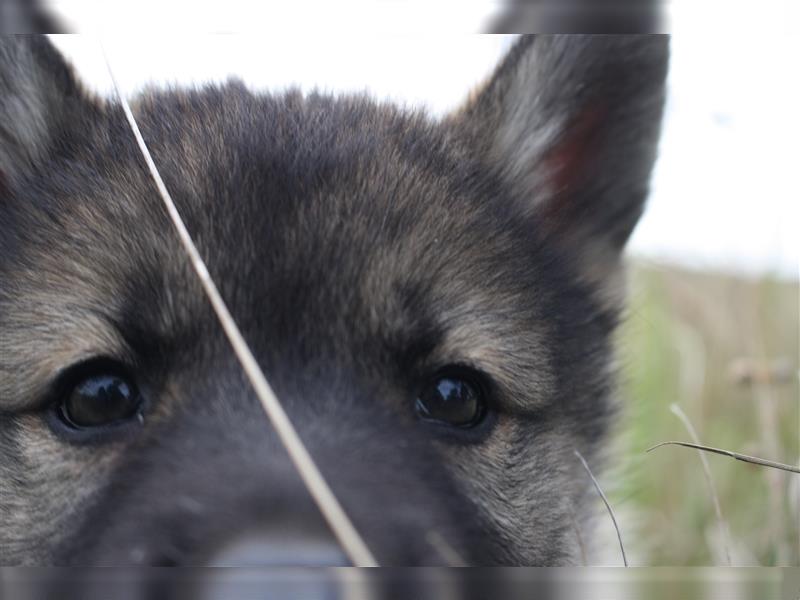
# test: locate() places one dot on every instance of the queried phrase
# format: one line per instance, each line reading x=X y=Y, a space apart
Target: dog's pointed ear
x=571 y=122
x=28 y=16
x=43 y=108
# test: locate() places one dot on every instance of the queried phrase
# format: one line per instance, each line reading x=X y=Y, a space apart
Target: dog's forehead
x=326 y=193
x=341 y=211
x=326 y=224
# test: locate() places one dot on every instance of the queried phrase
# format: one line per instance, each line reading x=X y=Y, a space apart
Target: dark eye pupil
x=451 y=400
x=101 y=400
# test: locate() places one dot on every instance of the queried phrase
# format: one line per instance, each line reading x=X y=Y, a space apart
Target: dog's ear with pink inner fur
x=572 y=123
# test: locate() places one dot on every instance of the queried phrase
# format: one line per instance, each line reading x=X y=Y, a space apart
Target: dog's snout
x=270 y=549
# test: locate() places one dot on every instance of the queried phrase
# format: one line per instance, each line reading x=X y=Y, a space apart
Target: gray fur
x=360 y=248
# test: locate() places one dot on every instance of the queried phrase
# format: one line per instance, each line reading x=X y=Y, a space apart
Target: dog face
x=432 y=301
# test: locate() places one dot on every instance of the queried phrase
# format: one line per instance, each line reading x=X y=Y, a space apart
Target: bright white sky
x=725 y=190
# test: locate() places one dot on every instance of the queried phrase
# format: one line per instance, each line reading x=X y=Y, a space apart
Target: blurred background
x=711 y=342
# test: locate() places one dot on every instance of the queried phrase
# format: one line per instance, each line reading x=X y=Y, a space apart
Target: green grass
x=684 y=331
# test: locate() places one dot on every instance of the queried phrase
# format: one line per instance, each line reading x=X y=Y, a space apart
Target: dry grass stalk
x=341 y=526
x=742 y=457
x=608 y=505
x=723 y=526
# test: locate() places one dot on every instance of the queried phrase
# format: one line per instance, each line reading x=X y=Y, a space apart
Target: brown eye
x=100 y=399
x=456 y=399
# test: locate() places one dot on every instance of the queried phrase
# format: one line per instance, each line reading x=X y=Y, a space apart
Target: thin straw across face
x=346 y=534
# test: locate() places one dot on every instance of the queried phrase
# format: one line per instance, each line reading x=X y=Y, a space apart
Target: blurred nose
x=259 y=550
x=271 y=549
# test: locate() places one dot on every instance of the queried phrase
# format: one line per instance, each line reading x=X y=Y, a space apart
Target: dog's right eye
x=454 y=397
x=99 y=398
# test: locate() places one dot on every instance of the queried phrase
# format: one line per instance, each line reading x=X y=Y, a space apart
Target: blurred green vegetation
x=725 y=350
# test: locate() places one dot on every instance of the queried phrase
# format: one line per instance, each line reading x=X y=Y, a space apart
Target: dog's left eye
x=99 y=399
x=455 y=398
